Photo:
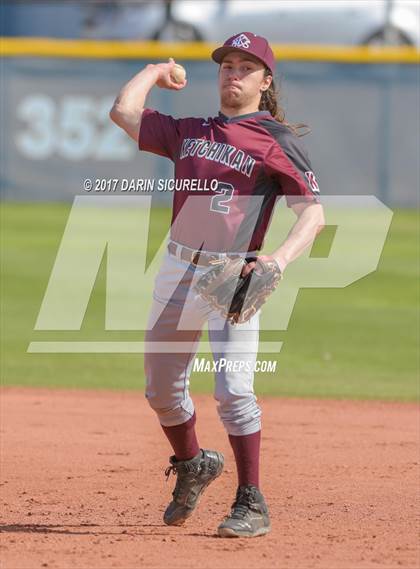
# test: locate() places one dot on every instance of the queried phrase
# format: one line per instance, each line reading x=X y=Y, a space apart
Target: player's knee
x=158 y=402
x=240 y=415
x=167 y=415
x=232 y=395
x=170 y=414
x=241 y=424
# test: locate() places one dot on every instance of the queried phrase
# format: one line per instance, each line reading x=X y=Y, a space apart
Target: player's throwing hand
x=171 y=75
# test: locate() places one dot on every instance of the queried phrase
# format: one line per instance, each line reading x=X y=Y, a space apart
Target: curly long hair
x=269 y=102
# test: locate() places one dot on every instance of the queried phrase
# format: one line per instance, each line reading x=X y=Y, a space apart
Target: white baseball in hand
x=178 y=74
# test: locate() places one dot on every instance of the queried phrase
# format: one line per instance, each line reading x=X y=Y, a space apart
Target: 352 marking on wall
x=75 y=127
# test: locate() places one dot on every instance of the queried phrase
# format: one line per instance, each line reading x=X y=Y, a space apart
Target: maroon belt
x=194 y=257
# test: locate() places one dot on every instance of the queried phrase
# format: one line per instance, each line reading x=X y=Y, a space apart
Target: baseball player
x=255 y=158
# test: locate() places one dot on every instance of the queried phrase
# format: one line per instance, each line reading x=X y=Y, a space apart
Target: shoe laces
x=178 y=486
x=171 y=469
x=183 y=469
x=243 y=502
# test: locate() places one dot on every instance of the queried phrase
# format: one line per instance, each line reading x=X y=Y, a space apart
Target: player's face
x=241 y=81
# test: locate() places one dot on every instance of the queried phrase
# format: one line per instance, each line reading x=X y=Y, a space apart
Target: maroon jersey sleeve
x=288 y=162
x=159 y=133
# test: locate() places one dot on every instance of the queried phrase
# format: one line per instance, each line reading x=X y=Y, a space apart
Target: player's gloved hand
x=250 y=265
x=165 y=80
x=237 y=288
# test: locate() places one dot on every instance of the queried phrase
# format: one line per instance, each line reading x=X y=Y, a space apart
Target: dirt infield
x=82 y=485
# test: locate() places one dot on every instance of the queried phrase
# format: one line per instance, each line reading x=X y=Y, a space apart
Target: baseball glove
x=236 y=297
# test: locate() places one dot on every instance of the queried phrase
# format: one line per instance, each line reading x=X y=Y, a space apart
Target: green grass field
x=358 y=342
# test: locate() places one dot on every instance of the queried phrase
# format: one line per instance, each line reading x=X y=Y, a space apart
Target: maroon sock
x=183 y=439
x=246 y=449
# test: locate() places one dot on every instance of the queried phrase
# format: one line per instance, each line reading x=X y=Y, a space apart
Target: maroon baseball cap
x=247 y=43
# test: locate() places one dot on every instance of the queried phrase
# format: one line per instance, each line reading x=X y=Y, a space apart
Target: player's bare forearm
x=310 y=222
x=129 y=104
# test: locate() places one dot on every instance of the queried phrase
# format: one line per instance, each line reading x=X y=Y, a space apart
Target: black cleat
x=249 y=516
x=193 y=477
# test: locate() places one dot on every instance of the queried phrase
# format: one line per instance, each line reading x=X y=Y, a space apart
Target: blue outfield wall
x=56 y=131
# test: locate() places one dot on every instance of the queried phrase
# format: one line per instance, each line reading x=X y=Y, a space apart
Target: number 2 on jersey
x=224 y=195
